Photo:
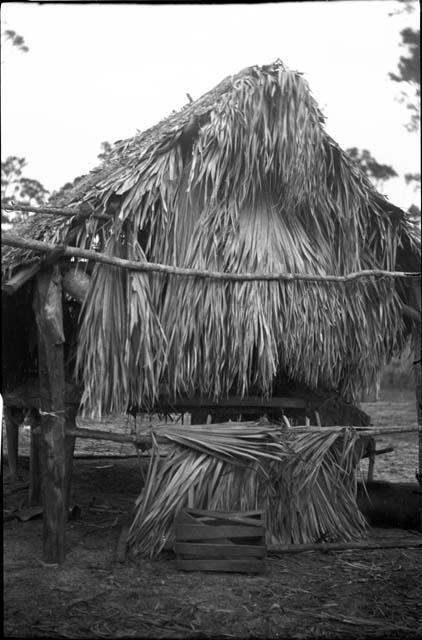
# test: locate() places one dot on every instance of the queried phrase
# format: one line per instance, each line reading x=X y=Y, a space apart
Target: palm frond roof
x=244 y=179
x=130 y=161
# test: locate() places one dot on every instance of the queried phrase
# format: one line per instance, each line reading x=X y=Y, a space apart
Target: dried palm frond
x=237 y=335
x=102 y=337
x=122 y=348
x=304 y=481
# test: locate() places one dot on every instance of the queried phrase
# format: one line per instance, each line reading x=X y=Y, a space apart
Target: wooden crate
x=220 y=541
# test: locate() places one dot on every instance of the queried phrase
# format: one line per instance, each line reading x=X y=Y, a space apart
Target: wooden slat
x=232 y=517
x=251 y=565
x=219 y=550
x=205 y=532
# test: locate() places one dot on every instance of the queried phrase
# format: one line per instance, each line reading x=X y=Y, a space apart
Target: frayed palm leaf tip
x=305 y=482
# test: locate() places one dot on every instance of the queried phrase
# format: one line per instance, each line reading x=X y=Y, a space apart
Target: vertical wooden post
x=12 y=432
x=49 y=318
x=70 y=423
x=416 y=291
x=34 y=491
x=371 y=447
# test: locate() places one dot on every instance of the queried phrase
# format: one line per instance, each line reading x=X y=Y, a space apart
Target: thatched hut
x=244 y=180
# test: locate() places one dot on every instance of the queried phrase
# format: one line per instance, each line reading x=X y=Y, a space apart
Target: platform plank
x=204 y=532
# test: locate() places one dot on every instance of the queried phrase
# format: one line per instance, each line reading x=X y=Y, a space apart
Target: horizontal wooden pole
x=83 y=212
x=145 y=439
x=139 y=439
x=384 y=431
x=344 y=546
x=379 y=452
x=13 y=240
x=111 y=436
x=363 y=431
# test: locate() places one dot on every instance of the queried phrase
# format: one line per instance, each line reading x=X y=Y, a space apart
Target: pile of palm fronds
x=304 y=480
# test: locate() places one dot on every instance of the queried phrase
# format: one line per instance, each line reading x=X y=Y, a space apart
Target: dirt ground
x=347 y=594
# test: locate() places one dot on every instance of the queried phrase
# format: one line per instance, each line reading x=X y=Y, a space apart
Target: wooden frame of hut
x=231 y=259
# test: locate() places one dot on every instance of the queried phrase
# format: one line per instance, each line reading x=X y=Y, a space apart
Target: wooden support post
x=34 y=491
x=371 y=447
x=416 y=295
x=49 y=318
x=70 y=423
x=418 y=390
x=12 y=432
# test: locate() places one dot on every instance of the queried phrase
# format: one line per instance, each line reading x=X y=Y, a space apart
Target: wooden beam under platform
x=235 y=402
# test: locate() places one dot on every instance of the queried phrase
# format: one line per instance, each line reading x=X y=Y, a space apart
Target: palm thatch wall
x=304 y=481
x=244 y=179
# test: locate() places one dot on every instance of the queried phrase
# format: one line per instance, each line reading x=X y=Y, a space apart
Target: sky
x=101 y=72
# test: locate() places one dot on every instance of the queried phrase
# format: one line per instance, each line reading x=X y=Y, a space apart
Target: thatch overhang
x=244 y=179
